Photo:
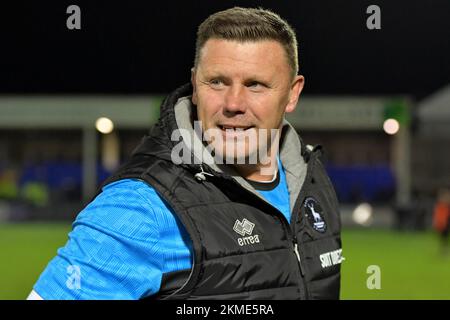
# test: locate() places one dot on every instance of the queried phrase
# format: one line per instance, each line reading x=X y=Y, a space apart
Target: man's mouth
x=225 y=127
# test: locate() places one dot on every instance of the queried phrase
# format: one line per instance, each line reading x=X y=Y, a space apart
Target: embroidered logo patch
x=245 y=228
x=313 y=213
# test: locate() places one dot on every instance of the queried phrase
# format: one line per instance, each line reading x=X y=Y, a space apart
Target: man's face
x=242 y=87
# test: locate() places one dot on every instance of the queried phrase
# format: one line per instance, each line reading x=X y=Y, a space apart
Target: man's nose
x=235 y=100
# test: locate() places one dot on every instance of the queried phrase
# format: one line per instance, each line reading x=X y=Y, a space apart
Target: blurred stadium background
x=377 y=100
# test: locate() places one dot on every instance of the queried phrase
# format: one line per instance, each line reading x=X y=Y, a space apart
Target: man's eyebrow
x=213 y=74
x=252 y=78
x=255 y=79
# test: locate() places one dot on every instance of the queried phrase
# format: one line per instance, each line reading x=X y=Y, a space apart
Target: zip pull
x=200 y=176
x=298 y=258
x=302 y=271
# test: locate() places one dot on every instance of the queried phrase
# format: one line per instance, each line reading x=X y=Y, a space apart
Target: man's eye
x=255 y=85
x=216 y=82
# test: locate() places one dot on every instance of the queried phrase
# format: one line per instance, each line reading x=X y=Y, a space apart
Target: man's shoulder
x=128 y=189
x=128 y=186
x=126 y=200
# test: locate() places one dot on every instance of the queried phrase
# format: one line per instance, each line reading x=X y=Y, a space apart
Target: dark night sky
x=147 y=47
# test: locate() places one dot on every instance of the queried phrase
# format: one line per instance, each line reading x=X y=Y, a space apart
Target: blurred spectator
x=403 y=215
x=8 y=185
x=421 y=205
x=441 y=217
x=36 y=193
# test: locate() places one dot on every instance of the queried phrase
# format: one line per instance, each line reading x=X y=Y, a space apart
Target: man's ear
x=194 y=87
x=294 y=93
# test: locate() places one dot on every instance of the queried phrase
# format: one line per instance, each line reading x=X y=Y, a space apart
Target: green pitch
x=410 y=264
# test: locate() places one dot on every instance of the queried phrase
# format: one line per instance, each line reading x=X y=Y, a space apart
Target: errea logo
x=243 y=228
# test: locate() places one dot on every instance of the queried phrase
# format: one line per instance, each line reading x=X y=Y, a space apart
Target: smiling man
x=241 y=86
x=188 y=225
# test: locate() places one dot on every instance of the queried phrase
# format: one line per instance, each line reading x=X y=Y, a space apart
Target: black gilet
x=243 y=248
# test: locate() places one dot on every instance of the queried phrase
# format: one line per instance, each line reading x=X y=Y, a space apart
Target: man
x=208 y=206
x=441 y=217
